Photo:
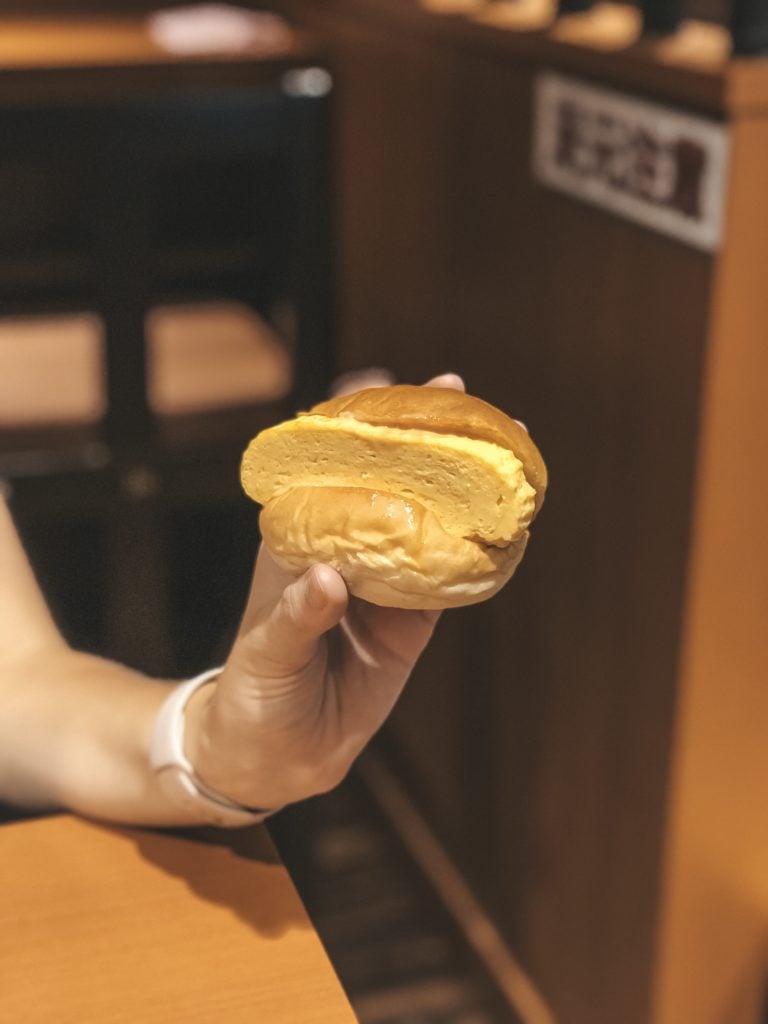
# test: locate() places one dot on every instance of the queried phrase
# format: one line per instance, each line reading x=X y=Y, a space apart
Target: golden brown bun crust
x=443 y=411
x=420 y=497
x=389 y=549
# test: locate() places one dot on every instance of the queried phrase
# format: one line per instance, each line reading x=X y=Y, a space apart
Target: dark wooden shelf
x=173 y=179
x=197 y=265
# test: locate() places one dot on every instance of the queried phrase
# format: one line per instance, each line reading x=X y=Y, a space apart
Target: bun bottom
x=390 y=550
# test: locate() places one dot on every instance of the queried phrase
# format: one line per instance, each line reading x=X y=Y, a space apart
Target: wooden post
x=712 y=956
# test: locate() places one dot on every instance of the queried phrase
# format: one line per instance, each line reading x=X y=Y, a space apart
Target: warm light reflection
x=51 y=370
x=213 y=355
x=453 y=6
x=606 y=26
x=42 y=42
x=88 y=40
x=698 y=45
x=525 y=15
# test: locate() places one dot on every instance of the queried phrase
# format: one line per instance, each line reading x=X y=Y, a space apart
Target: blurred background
x=206 y=215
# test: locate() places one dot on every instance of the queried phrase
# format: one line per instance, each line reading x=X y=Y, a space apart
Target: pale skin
x=311 y=677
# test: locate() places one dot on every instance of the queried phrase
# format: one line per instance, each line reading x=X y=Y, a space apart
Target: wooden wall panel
x=395 y=111
x=583 y=334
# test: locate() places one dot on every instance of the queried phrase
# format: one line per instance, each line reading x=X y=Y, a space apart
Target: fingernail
x=448 y=380
x=314 y=592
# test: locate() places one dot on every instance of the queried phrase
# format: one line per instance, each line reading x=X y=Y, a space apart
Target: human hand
x=312 y=676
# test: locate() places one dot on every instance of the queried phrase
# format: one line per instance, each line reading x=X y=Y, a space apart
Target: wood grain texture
x=582 y=335
x=712 y=962
x=537 y=731
x=120 y=925
x=693 y=69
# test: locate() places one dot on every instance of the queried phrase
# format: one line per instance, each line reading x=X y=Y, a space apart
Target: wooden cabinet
x=559 y=737
x=131 y=178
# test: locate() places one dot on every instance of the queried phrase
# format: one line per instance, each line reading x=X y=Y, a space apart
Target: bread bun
x=421 y=497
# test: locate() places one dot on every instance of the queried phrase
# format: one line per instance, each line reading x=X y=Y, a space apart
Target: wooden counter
x=126 y=925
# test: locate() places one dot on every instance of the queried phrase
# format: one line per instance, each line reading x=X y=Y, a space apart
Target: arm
x=285 y=720
x=74 y=729
x=311 y=677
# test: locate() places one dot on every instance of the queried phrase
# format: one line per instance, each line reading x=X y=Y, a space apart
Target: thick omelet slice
x=475 y=488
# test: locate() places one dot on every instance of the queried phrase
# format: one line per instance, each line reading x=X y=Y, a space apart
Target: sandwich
x=420 y=497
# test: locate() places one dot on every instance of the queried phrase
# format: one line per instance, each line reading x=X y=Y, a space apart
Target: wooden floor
x=398 y=954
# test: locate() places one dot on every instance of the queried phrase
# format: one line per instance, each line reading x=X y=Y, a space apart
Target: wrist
x=226 y=753
x=239 y=752
x=195 y=726
x=177 y=774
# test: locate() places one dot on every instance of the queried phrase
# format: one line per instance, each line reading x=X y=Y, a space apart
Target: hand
x=311 y=677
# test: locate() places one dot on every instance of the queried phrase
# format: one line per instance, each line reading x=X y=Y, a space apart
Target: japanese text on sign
x=662 y=168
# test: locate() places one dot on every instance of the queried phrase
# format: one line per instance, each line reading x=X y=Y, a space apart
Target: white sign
x=660 y=167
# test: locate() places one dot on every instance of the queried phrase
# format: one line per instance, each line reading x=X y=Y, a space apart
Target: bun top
x=442 y=411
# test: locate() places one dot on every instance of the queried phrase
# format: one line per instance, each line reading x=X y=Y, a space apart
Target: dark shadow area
x=398 y=954
x=239 y=870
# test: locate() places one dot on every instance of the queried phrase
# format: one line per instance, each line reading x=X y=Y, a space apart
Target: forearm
x=75 y=733
x=74 y=729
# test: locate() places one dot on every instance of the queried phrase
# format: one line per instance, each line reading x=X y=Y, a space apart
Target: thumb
x=281 y=637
